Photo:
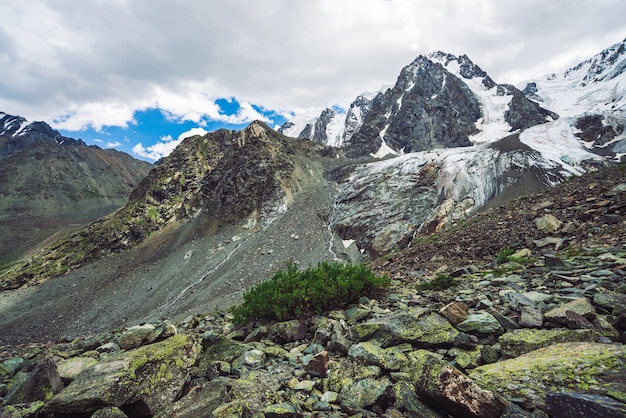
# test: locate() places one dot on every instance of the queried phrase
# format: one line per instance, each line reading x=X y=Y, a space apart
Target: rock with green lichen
x=281 y=410
x=200 y=401
x=466 y=359
x=581 y=367
x=41 y=384
x=151 y=376
x=520 y=341
x=580 y=306
x=391 y=359
x=417 y=326
x=258 y=388
x=364 y=393
x=109 y=412
x=480 y=323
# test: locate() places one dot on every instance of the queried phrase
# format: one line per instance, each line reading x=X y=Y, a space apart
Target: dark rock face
x=523 y=113
x=428 y=108
x=320 y=135
x=358 y=110
x=592 y=129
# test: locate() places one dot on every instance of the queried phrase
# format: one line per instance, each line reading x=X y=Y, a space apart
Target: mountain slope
x=49 y=182
x=245 y=178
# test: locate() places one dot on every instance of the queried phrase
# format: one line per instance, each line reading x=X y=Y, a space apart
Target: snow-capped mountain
x=591 y=96
x=331 y=127
x=17 y=133
x=472 y=140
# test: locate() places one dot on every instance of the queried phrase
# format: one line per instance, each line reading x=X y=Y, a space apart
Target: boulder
x=318 y=366
x=288 y=331
x=442 y=385
x=365 y=393
x=580 y=306
x=548 y=224
x=417 y=326
x=69 y=369
x=42 y=384
x=575 y=405
x=454 y=312
x=391 y=359
x=581 y=367
x=144 y=379
x=199 y=402
x=481 y=323
x=522 y=341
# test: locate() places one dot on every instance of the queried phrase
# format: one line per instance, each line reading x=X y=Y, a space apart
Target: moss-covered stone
x=566 y=367
x=153 y=374
x=389 y=359
x=417 y=326
x=520 y=341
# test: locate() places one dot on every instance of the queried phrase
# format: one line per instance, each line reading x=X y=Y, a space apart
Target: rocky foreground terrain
x=520 y=311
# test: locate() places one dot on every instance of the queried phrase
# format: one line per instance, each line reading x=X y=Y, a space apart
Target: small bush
x=440 y=282
x=295 y=293
x=504 y=255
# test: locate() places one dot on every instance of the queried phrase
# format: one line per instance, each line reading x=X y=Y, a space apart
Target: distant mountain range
x=49 y=182
x=443 y=101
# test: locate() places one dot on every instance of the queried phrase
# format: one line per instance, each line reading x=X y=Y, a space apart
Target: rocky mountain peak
x=17 y=133
x=606 y=65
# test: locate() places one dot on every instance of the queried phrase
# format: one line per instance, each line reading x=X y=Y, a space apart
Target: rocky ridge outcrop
x=228 y=176
x=525 y=331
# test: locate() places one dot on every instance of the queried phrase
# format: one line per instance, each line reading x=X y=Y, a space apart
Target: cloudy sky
x=138 y=74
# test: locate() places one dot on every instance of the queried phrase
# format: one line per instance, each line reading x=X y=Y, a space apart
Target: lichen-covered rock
x=364 y=393
x=150 y=376
x=565 y=367
x=221 y=349
x=391 y=359
x=440 y=384
x=42 y=384
x=521 y=341
x=256 y=389
x=288 y=331
x=480 y=323
x=109 y=412
x=69 y=369
x=466 y=359
x=200 y=402
x=417 y=326
x=580 y=306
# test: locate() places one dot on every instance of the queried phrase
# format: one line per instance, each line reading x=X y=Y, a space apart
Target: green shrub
x=440 y=282
x=504 y=255
x=292 y=293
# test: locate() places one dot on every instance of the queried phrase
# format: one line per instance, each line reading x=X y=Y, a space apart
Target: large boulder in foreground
x=581 y=367
x=142 y=381
x=447 y=389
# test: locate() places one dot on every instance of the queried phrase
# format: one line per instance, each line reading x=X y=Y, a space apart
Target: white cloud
x=192 y=132
x=165 y=145
x=95 y=63
x=113 y=144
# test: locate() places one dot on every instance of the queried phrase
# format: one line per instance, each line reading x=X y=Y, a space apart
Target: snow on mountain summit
x=597 y=85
